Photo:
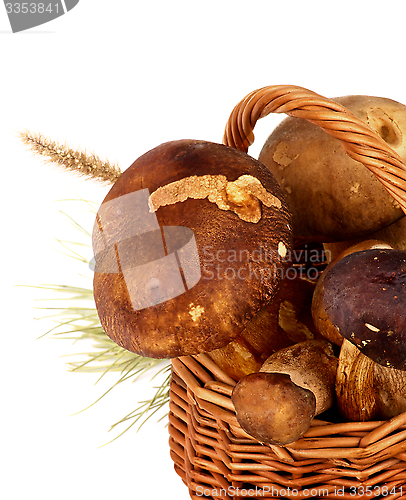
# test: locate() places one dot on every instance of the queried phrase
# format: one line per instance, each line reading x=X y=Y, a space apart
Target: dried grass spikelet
x=84 y=164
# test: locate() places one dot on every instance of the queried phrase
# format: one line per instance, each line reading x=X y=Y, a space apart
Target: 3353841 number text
x=32 y=8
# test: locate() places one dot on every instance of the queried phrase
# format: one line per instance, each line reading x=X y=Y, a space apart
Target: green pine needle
x=149 y=407
x=77 y=320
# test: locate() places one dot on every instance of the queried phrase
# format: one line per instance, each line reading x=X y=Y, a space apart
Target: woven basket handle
x=359 y=141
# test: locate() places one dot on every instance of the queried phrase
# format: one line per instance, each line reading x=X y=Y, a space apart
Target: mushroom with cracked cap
x=156 y=291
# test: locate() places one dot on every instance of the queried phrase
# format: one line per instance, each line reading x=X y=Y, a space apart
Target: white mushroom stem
x=390 y=387
x=355 y=384
x=366 y=390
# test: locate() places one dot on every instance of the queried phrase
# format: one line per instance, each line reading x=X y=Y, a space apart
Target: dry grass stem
x=80 y=162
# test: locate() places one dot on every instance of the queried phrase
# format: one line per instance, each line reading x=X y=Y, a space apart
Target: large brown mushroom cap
x=320 y=318
x=365 y=298
x=325 y=188
x=272 y=409
x=226 y=229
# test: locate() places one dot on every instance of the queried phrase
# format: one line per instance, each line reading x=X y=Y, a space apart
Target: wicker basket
x=212 y=454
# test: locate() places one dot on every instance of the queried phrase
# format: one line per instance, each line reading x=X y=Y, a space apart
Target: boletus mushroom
x=366 y=385
x=321 y=320
x=325 y=188
x=188 y=245
x=277 y=405
x=272 y=409
x=364 y=295
x=365 y=389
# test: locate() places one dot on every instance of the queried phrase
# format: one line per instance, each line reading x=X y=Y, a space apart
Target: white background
x=119 y=78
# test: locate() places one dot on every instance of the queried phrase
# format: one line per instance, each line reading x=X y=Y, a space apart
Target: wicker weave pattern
x=215 y=457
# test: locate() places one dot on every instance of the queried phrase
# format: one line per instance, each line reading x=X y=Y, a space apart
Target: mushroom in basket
x=189 y=244
x=364 y=296
x=326 y=189
x=276 y=405
x=321 y=320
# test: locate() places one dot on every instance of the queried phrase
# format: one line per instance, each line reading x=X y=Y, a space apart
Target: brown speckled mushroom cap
x=272 y=409
x=365 y=298
x=188 y=244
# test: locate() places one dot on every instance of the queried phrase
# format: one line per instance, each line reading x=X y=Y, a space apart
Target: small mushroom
x=325 y=188
x=272 y=409
x=188 y=243
x=312 y=365
x=364 y=295
x=277 y=405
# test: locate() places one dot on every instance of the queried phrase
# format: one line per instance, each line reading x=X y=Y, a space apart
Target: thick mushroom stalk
x=390 y=387
x=355 y=392
x=366 y=390
x=277 y=405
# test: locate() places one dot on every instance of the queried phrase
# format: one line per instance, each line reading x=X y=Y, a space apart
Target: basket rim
x=214 y=396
